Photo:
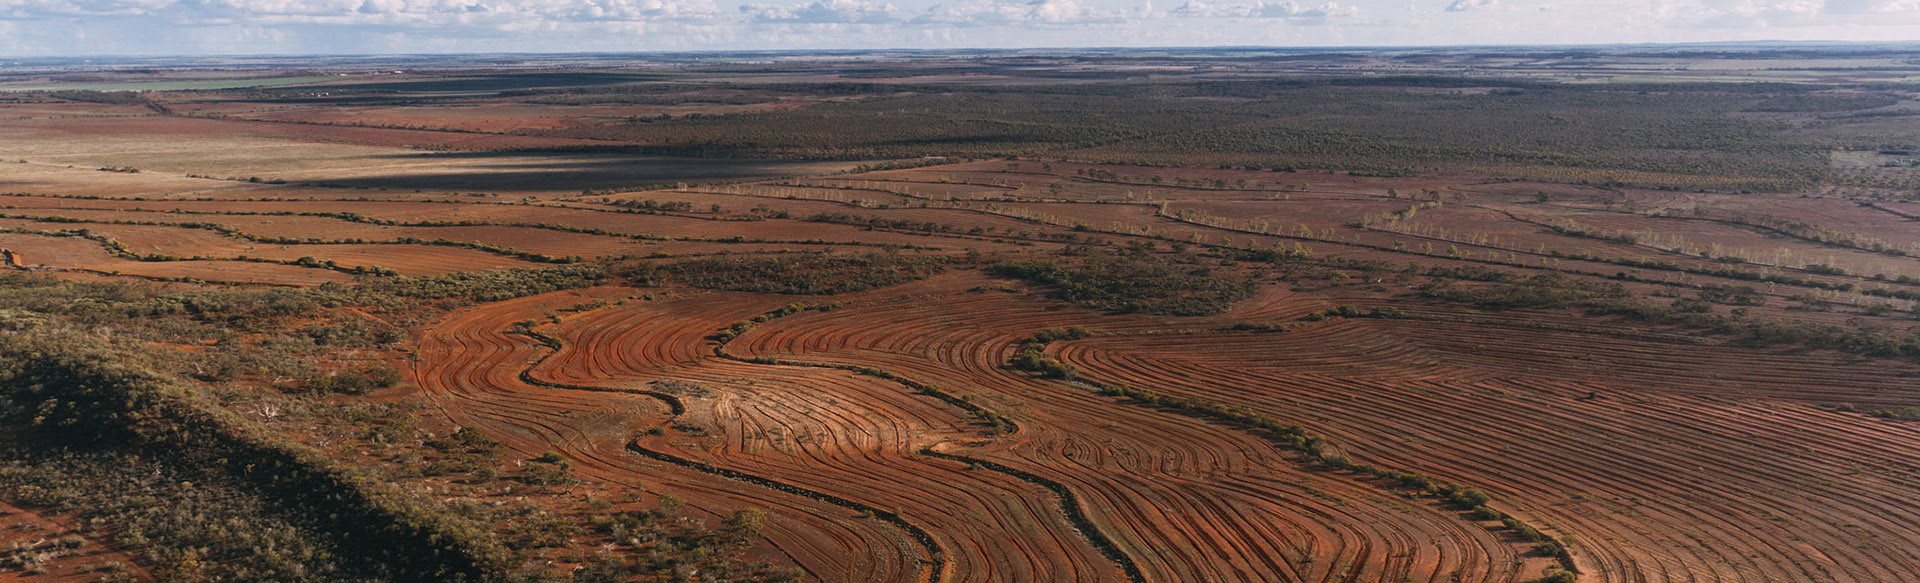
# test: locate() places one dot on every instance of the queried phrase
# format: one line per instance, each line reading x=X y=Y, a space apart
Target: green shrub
x=1126 y=284
x=355 y=381
x=795 y=273
x=1558 y=576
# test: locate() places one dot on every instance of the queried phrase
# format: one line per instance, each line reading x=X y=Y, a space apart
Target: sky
x=200 y=27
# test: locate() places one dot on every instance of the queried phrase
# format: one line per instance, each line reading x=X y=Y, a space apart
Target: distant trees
x=654 y=205
x=1701 y=136
x=1538 y=291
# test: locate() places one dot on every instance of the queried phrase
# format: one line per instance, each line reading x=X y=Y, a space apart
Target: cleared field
x=1150 y=462
x=359 y=157
x=590 y=221
x=469 y=368
x=1756 y=245
x=501 y=115
x=405 y=259
x=67 y=180
x=175 y=85
x=50 y=108
x=1314 y=211
x=1653 y=472
x=73 y=253
x=194 y=243
x=827 y=431
x=547 y=242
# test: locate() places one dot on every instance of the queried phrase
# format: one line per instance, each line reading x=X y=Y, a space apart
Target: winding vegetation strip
x=1315 y=447
x=553 y=344
x=937 y=563
x=1070 y=504
x=936 y=566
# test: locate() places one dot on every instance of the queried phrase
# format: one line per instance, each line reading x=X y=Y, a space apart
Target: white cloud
x=313 y=26
x=1872 y=6
x=1019 y=12
x=821 y=12
x=365 y=12
x=1753 y=13
x=1286 y=10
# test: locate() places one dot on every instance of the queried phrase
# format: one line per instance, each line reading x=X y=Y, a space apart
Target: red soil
x=60 y=550
x=1162 y=485
x=73 y=253
x=468 y=365
x=1657 y=455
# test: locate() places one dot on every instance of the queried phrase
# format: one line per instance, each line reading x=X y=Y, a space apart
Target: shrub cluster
x=1032 y=354
x=792 y=273
x=1130 y=284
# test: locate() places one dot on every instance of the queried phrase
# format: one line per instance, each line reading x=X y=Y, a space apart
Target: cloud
x=821 y=12
x=22 y=9
x=1019 y=12
x=365 y=12
x=1872 y=6
x=1198 y=9
x=1753 y=13
x=1286 y=10
x=354 y=26
x=1293 y=11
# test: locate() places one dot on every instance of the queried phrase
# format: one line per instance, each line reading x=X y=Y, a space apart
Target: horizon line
x=803 y=51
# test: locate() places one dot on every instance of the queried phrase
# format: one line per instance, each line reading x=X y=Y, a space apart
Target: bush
x=355 y=381
x=1486 y=513
x=1525 y=531
x=796 y=274
x=1125 y=284
x=1032 y=356
x=746 y=522
x=482 y=286
x=465 y=441
x=546 y=475
x=1557 y=576
x=1539 y=291
x=1069 y=333
x=1465 y=497
x=1031 y=359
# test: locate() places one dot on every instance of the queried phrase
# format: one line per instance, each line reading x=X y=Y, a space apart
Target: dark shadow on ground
x=571 y=171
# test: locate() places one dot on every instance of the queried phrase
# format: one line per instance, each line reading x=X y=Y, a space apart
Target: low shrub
x=1128 y=284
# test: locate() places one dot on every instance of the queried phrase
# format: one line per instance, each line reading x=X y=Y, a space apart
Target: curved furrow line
x=469 y=364
x=955 y=343
x=623 y=344
x=1867 y=508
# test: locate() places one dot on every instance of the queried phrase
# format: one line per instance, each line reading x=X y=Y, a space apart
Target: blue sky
x=170 y=27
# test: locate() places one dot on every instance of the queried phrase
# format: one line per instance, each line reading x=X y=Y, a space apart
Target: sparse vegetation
x=796 y=274
x=1133 y=284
